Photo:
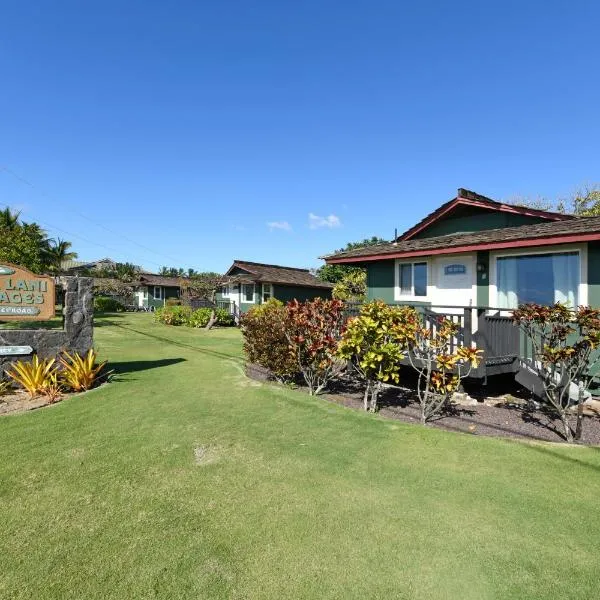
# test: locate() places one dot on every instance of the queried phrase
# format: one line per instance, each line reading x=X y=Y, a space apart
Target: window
x=158 y=292
x=248 y=292
x=267 y=291
x=412 y=279
x=225 y=290
x=540 y=278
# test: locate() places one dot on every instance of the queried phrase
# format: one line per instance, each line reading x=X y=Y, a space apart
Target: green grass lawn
x=183 y=479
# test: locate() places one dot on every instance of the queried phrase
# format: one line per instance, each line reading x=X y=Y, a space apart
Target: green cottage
x=252 y=283
x=476 y=259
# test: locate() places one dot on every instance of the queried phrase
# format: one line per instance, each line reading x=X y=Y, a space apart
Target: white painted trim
x=243 y=293
x=262 y=296
x=581 y=249
x=398 y=297
x=161 y=295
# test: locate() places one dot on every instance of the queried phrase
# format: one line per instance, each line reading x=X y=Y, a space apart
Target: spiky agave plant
x=80 y=372
x=33 y=375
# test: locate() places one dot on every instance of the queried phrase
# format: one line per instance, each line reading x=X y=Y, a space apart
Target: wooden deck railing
x=489 y=328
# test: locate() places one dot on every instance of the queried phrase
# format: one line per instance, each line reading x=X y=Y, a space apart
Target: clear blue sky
x=188 y=127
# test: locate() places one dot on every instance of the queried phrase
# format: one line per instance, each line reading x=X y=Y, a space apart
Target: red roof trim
x=508 y=208
x=527 y=243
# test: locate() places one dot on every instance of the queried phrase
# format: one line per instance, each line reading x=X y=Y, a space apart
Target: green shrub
x=107 y=304
x=173 y=315
x=224 y=318
x=265 y=342
x=183 y=315
x=199 y=318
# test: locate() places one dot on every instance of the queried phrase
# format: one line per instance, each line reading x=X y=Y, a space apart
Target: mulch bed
x=489 y=413
x=511 y=416
x=19 y=401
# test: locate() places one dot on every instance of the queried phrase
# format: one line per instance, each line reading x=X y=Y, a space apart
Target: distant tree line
x=28 y=245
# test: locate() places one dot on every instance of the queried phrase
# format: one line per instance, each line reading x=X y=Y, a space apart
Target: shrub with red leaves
x=313 y=329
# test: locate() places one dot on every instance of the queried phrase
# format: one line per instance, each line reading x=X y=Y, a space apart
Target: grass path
x=183 y=479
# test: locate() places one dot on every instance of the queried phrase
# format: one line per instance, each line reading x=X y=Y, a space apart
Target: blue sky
x=176 y=132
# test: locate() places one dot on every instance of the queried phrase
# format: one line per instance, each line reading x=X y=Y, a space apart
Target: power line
x=77 y=212
x=75 y=235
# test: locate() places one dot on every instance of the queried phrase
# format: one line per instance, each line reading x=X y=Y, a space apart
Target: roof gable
x=262 y=272
x=479 y=208
x=583 y=229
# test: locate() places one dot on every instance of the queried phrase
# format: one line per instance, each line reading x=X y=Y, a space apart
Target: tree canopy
x=335 y=273
x=27 y=244
x=583 y=203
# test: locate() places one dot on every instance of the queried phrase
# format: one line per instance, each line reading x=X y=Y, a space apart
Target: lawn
x=183 y=479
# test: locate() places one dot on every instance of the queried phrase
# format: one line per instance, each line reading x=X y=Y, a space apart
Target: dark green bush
x=107 y=304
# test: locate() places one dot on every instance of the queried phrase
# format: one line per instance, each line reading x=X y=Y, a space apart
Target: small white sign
x=15 y=350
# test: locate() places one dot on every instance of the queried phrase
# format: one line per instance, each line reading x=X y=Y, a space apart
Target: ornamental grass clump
x=440 y=361
x=374 y=344
x=565 y=354
x=265 y=341
x=34 y=376
x=80 y=373
x=312 y=329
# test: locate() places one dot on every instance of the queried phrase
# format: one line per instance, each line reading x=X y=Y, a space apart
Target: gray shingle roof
x=554 y=229
x=278 y=274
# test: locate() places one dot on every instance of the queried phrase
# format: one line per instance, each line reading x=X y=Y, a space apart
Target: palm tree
x=57 y=253
x=9 y=219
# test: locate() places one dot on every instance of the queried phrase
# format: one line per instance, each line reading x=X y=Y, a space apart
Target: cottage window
x=158 y=292
x=267 y=291
x=225 y=291
x=540 y=278
x=412 y=279
x=248 y=292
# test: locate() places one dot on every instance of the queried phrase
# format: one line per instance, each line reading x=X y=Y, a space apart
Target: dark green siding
x=472 y=219
x=483 y=279
x=594 y=274
x=380 y=281
x=168 y=292
x=285 y=293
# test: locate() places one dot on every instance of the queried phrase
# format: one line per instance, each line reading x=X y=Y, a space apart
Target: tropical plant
x=335 y=273
x=9 y=219
x=440 y=360
x=5 y=387
x=80 y=372
x=265 y=341
x=57 y=252
x=34 y=376
x=352 y=287
x=53 y=388
x=565 y=356
x=173 y=315
x=374 y=344
x=313 y=329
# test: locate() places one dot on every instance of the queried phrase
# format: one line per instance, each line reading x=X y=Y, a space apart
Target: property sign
x=24 y=295
x=15 y=350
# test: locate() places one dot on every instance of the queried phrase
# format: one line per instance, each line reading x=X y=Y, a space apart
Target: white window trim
x=270 y=287
x=582 y=250
x=243 y=293
x=160 y=295
x=226 y=294
x=398 y=296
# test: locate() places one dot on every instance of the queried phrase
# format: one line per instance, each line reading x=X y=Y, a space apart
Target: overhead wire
x=41 y=192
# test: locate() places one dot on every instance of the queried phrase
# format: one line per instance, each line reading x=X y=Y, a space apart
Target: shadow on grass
x=167 y=340
x=561 y=456
x=120 y=368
